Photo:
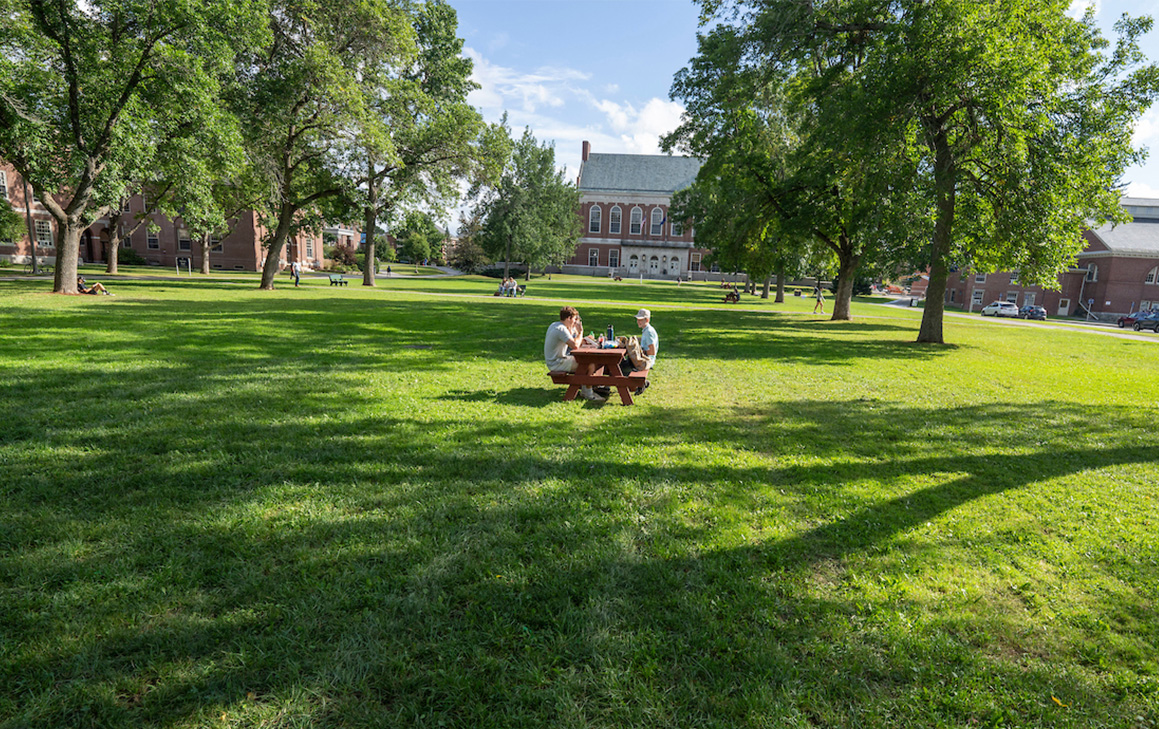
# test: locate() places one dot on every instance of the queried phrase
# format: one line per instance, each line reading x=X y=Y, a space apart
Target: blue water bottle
x=611 y=335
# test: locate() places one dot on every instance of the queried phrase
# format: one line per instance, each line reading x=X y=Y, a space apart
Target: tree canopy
x=992 y=133
x=93 y=94
x=530 y=215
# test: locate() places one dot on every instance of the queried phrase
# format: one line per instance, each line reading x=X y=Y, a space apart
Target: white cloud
x=1078 y=8
x=640 y=130
x=506 y=88
x=1146 y=129
x=1141 y=189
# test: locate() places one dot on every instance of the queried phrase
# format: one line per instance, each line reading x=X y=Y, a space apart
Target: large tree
x=421 y=138
x=304 y=98
x=793 y=182
x=530 y=215
x=1007 y=122
x=91 y=91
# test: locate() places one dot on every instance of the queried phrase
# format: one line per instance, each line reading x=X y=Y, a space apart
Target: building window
x=694 y=262
x=3 y=185
x=44 y=233
x=953 y=295
x=979 y=297
x=1152 y=276
x=674 y=266
x=184 y=244
x=657 y=221
x=593 y=257
x=633 y=264
x=309 y=248
x=614 y=259
x=1012 y=297
x=715 y=268
x=126 y=242
x=1028 y=299
x=594 y=219
x=980 y=278
x=614 y=221
x=1144 y=306
x=214 y=244
x=1092 y=272
x=1063 y=307
x=1014 y=278
x=677 y=229
x=636 y=222
x=152 y=242
x=653 y=264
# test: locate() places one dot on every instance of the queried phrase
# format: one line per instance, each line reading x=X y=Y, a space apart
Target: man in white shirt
x=562 y=336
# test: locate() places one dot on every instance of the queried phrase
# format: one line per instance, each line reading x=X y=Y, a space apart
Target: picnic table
x=599 y=367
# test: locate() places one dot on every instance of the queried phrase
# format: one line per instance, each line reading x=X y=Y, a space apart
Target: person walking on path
x=819 y=294
x=296 y=269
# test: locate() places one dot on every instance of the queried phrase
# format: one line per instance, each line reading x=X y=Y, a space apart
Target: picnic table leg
x=625 y=394
x=572 y=391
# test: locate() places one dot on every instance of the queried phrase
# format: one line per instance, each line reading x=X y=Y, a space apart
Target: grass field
x=221 y=507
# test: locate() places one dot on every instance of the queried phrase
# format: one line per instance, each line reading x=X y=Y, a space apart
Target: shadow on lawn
x=413 y=570
x=280 y=554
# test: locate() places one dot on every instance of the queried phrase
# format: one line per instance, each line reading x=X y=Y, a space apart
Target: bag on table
x=635 y=354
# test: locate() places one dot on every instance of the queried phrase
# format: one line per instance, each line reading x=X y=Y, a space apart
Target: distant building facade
x=1115 y=274
x=624 y=210
x=165 y=242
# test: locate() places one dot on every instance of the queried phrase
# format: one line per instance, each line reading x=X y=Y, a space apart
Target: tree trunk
x=114 y=242
x=369 y=221
x=765 y=288
x=274 y=252
x=945 y=186
x=780 y=283
x=847 y=264
x=67 y=256
x=205 y=246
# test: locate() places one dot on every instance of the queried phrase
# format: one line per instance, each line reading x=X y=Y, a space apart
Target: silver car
x=1001 y=308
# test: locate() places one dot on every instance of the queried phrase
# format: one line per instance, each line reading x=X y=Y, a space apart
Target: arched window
x=1152 y=276
x=614 y=221
x=657 y=221
x=636 y=222
x=593 y=256
x=594 y=219
x=654 y=264
x=1092 y=272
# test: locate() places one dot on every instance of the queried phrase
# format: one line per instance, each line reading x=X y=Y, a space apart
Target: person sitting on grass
x=97 y=288
x=562 y=336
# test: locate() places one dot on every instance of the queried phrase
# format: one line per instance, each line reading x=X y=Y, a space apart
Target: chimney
x=587 y=150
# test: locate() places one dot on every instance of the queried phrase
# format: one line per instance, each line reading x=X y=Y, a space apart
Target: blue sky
x=601 y=70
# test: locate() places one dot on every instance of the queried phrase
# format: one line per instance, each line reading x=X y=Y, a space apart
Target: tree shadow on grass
x=305 y=565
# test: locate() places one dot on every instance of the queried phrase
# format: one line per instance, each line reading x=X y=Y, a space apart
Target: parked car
x=1030 y=311
x=1130 y=319
x=1149 y=321
x=1000 y=308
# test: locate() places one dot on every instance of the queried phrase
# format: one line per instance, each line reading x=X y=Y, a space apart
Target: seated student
x=96 y=288
x=562 y=336
x=649 y=346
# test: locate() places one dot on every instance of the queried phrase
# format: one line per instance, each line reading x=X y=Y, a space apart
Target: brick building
x=624 y=202
x=163 y=242
x=1116 y=273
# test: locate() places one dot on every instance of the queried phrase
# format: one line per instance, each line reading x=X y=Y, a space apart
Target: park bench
x=337 y=280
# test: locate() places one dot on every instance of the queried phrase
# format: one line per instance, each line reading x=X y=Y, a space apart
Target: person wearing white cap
x=649 y=345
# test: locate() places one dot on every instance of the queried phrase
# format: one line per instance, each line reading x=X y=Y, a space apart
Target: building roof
x=1140 y=236
x=637 y=173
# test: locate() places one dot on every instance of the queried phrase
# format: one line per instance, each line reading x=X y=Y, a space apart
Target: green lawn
x=356 y=507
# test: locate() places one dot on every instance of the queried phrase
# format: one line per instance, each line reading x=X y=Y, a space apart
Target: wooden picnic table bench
x=599 y=368
x=337 y=280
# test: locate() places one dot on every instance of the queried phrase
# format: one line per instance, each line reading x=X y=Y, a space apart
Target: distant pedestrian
x=388 y=270
x=296 y=269
x=819 y=294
